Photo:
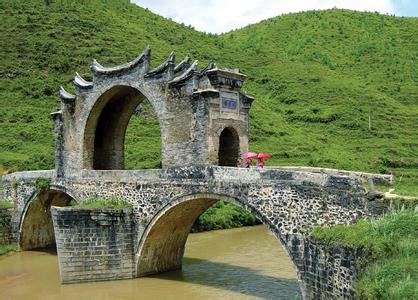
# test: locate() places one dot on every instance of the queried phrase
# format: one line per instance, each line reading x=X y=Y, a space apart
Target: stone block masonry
x=94 y=244
x=328 y=272
x=6 y=226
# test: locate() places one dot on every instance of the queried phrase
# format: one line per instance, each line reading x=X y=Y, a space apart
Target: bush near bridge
x=224 y=215
x=390 y=243
x=4 y=249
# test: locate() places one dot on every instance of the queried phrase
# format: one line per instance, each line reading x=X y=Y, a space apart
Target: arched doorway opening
x=36 y=228
x=106 y=128
x=162 y=245
x=143 y=139
x=228 y=154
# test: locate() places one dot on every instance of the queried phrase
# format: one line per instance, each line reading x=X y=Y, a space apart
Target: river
x=243 y=263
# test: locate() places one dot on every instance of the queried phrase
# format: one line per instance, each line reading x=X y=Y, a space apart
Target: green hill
x=317 y=77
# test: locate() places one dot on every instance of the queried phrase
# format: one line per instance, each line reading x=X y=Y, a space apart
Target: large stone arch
x=35 y=225
x=162 y=244
x=106 y=124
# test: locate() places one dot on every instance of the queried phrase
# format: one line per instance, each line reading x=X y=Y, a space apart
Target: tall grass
x=390 y=243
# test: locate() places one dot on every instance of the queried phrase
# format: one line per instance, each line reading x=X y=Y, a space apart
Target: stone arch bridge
x=166 y=203
x=203 y=118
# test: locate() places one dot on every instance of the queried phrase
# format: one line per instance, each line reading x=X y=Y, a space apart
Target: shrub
x=42 y=184
x=223 y=215
x=113 y=202
x=4 y=249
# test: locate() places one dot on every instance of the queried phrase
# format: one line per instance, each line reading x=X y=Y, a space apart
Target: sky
x=219 y=16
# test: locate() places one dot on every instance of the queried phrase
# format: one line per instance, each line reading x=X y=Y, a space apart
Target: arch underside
x=36 y=229
x=162 y=246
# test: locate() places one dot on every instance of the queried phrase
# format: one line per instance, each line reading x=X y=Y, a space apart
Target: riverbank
x=390 y=245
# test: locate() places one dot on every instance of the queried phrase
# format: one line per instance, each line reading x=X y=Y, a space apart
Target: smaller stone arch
x=161 y=247
x=36 y=229
x=229 y=148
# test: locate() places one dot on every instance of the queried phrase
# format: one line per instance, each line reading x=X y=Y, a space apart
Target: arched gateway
x=203 y=119
x=191 y=105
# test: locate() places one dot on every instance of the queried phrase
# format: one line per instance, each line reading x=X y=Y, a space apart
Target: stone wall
x=94 y=244
x=327 y=272
x=7 y=229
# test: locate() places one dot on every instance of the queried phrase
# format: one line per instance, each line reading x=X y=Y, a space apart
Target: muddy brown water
x=244 y=263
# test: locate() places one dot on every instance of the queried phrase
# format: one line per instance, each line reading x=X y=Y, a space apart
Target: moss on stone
x=7 y=205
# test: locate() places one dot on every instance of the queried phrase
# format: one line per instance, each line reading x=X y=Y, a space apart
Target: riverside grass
x=4 y=249
x=390 y=269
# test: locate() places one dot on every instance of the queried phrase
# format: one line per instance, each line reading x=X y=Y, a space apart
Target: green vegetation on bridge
x=95 y=202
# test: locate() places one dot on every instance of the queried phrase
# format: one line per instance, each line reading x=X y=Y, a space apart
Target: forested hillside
x=317 y=78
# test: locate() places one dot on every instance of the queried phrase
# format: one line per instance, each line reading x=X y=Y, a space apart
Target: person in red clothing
x=260 y=159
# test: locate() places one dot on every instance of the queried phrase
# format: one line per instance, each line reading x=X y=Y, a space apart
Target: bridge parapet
x=225 y=174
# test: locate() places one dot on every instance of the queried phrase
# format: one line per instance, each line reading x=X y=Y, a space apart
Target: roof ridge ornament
x=55 y=114
x=143 y=58
x=194 y=68
x=210 y=65
x=81 y=82
x=64 y=95
x=185 y=63
x=169 y=62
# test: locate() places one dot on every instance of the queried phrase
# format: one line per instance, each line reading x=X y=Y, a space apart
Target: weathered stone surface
x=7 y=230
x=93 y=244
x=328 y=272
x=36 y=228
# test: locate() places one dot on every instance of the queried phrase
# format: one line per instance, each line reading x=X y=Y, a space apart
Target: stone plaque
x=229 y=101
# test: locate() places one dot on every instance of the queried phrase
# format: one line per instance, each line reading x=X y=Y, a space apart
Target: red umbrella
x=248 y=155
x=263 y=155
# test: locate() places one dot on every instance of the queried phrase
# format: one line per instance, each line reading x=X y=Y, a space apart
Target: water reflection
x=233 y=278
